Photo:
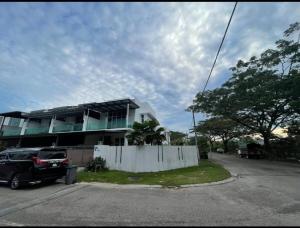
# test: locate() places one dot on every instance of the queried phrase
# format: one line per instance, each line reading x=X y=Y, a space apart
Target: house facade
x=105 y=123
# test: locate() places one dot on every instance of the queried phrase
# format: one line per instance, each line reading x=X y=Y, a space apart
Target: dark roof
x=16 y=114
x=79 y=109
x=54 y=111
x=111 y=105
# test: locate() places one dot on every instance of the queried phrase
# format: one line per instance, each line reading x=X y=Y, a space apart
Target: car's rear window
x=52 y=154
x=22 y=155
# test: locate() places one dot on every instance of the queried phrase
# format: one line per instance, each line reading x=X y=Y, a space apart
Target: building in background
x=105 y=123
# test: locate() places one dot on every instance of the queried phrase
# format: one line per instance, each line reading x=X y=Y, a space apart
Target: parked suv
x=22 y=166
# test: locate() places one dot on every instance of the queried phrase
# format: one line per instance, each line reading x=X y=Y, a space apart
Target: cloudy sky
x=58 y=54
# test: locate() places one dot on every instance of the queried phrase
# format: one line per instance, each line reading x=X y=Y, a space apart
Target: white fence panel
x=147 y=158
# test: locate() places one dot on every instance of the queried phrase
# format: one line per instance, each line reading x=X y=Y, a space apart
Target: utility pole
x=196 y=138
x=206 y=83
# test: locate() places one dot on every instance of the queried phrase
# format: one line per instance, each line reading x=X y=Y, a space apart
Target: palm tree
x=137 y=137
x=148 y=132
x=159 y=136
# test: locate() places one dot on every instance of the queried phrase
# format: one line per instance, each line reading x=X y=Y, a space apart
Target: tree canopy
x=146 y=132
x=263 y=92
x=224 y=129
x=177 y=138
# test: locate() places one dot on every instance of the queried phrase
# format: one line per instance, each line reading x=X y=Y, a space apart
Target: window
x=2 y=157
x=14 y=122
x=117 y=115
x=22 y=155
x=117 y=119
x=52 y=154
x=142 y=118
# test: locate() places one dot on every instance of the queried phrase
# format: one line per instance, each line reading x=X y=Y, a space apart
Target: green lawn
x=206 y=172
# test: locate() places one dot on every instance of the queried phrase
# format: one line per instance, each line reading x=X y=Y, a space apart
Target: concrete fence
x=147 y=158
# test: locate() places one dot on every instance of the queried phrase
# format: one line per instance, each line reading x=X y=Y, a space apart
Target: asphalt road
x=264 y=193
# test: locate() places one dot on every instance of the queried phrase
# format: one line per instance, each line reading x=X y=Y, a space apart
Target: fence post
x=162 y=153
x=121 y=155
x=158 y=153
x=116 y=154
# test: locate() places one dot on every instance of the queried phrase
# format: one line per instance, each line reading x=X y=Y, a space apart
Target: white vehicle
x=220 y=150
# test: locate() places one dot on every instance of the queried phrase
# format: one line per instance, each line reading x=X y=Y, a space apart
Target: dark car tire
x=50 y=181
x=15 y=182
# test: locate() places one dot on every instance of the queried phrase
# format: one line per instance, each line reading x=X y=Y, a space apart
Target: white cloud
x=161 y=53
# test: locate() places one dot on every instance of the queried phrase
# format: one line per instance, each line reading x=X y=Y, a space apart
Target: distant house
x=105 y=123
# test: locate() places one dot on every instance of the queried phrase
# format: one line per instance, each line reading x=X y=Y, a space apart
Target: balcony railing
x=68 y=127
x=117 y=123
x=96 y=126
x=11 y=132
x=37 y=130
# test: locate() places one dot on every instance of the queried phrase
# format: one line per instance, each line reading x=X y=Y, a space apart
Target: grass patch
x=206 y=172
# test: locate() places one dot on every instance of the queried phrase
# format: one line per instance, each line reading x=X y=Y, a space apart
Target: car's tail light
x=65 y=162
x=38 y=161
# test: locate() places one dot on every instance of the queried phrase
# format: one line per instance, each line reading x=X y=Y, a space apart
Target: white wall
x=131 y=116
x=147 y=158
x=143 y=109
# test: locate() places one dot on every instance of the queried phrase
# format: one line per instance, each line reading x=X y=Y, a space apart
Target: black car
x=32 y=165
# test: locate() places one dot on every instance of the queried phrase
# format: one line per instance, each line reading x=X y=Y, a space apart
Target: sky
x=58 y=54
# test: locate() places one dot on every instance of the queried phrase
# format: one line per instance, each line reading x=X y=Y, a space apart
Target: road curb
x=143 y=186
x=228 y=180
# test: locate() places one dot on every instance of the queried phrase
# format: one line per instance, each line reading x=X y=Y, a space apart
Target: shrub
x=97 y=164
x=2 y=145
x=286 y=148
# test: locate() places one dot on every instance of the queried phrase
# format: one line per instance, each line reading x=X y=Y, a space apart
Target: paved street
x=264 y=193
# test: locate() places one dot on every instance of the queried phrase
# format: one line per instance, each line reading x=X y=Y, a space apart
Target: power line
x=221 y=44
x=220 y=47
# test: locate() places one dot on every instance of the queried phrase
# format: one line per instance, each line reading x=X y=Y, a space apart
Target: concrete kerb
x=233 y=177
x=142 y=186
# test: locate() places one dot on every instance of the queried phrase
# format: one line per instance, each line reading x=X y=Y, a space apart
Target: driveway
x=264 y=193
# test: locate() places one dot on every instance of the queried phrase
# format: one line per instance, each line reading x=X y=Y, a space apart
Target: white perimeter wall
x=147 y=158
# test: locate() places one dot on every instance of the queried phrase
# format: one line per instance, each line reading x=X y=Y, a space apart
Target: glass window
x=22 y=155
x=2 y=156
x=52 y=154
x=14 y=122
x=142 y=117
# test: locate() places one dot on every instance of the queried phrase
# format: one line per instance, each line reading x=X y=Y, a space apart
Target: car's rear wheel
x=15 y=182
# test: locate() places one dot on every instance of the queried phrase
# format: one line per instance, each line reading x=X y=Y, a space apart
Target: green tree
x=294 y=129
x=218 y=127
x=203 y=145
x=137 y=137
x=146 y=132
x=263 y=93
x=177 y=138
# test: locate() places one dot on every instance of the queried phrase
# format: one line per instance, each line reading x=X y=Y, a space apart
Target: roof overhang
x=111 y=105
x=15 y=114
x=73 y=110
